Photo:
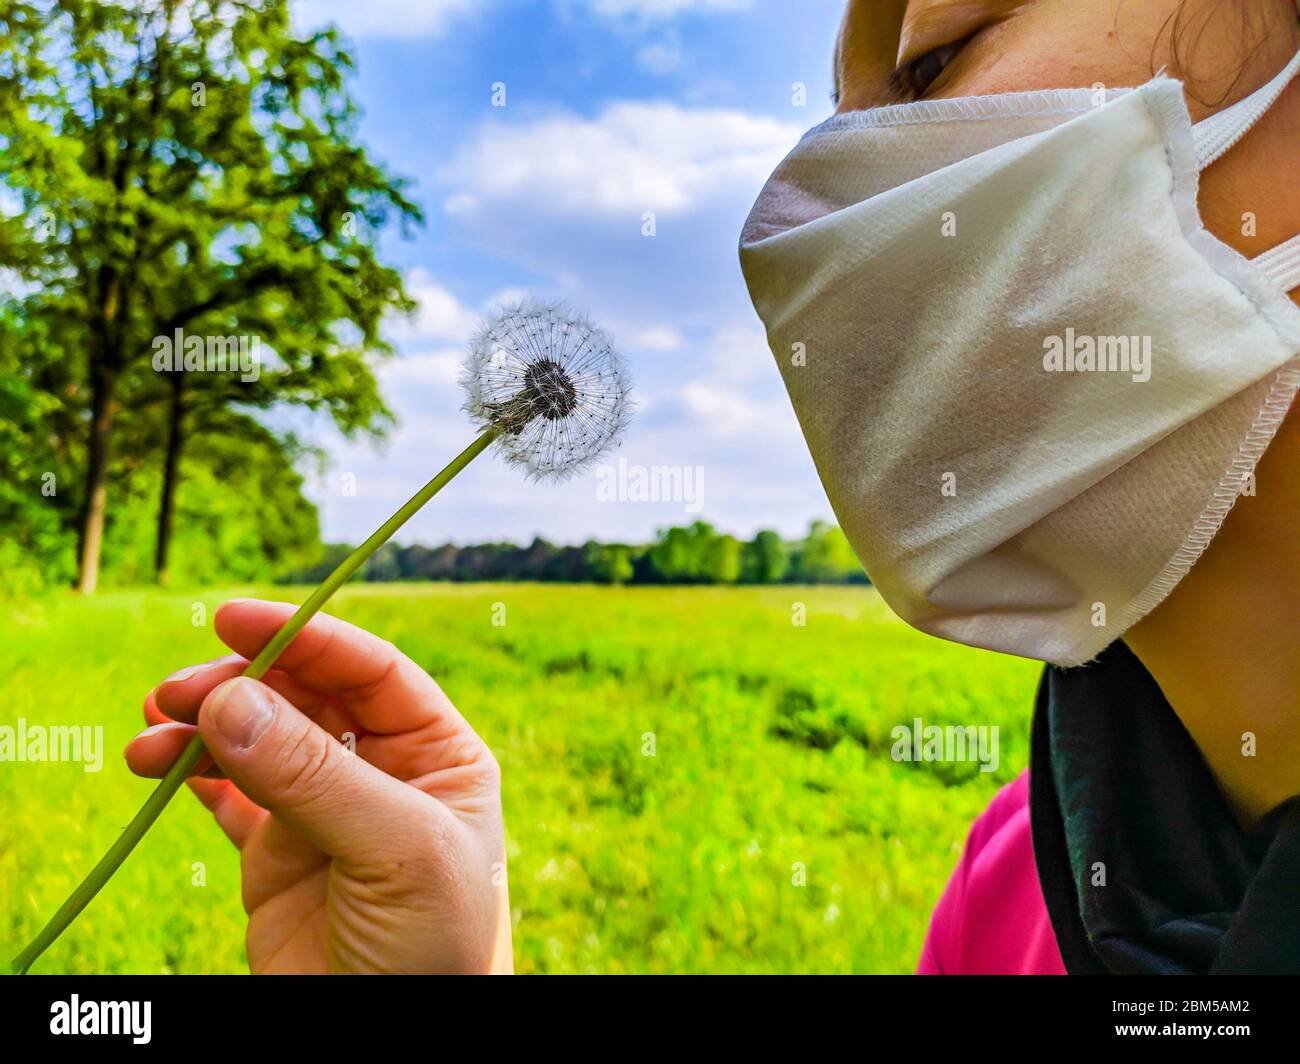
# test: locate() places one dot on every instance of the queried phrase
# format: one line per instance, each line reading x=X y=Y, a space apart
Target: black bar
x=809 y=1014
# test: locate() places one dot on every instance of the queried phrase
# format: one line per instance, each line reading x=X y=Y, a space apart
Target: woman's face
x=1243 y=589
x=893 y=51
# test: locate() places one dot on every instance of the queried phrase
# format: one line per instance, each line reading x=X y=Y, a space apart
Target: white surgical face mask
x=1031 y=380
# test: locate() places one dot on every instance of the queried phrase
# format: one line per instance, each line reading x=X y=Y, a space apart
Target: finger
x=152 y=714
x=234 y=812
x=384 y=690
x=287 y=764
x=180 y=695
x=153 y=752
x=274 y=854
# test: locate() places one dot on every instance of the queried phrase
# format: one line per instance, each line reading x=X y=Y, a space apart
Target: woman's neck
x=1225 y=646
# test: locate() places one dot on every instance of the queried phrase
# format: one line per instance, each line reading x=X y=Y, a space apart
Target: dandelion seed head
x=551 y=383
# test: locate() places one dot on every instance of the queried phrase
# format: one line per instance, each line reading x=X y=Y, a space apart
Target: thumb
x=289 y=765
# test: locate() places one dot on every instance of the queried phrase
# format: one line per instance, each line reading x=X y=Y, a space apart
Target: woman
x=1047 y=358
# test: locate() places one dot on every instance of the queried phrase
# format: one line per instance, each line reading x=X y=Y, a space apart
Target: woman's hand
x=389 y=859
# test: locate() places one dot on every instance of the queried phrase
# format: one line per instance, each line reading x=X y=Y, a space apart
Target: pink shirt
x=991 y=918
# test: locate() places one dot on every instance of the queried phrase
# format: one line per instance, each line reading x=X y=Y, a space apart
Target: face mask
x=1032 y=382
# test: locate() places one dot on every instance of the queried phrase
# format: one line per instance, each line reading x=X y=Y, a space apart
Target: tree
x=228 y=488
x=680 y=555
x=608 y=563
x=825 y=557
x=765 y=560
x=34 y=548
x=191 y=171
x=722 y=560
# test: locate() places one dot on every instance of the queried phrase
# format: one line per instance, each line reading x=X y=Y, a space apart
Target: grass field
x=771 y=755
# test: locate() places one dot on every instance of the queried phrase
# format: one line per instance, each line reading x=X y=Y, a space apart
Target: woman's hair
x=1186 y=27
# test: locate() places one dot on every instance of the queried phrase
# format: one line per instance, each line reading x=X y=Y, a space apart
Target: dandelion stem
x=257 y=668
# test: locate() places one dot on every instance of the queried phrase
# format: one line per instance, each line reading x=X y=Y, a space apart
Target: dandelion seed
x=551 y=383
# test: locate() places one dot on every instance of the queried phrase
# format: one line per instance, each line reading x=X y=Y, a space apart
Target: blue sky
x=613 y=108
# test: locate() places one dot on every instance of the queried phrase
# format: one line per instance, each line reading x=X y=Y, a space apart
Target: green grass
x=772 y=750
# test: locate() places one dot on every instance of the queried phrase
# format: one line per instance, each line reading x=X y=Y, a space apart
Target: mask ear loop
x=1221 y=131
x=1282 y=263
x=1216 y=134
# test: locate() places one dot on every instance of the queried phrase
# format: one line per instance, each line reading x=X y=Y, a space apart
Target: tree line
x=694 y=554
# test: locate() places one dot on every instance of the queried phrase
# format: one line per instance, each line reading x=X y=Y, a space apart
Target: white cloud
x=563 y=196
x=441 y=316
x=731 y=414
x=734 y=392
x=438 y=368
x=632 y=157
x=657 y=338
x=385 y=18
x=659 y=57
x=503 y=297
x=738 y=354
x=648 y=9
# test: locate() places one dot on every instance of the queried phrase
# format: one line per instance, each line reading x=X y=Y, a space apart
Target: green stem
x=257 y=668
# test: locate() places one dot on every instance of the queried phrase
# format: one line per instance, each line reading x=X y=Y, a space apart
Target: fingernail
x=242 y=710
x=154 y=729
x=186 y=673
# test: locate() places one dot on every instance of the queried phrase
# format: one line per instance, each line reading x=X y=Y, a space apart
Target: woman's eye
x=914 y=78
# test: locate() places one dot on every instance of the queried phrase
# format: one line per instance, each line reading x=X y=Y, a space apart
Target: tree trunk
x=171 y=468
x=91 y=530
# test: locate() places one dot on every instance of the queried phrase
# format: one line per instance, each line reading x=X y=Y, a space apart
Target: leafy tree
x=226 y=491
x=384 y=565
x=824 y=556
x=679 y=555
x=35 y=549
x=189 y=166
x=765 y=559
x=332 y=555
x=722 y=560
x=609 y=563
